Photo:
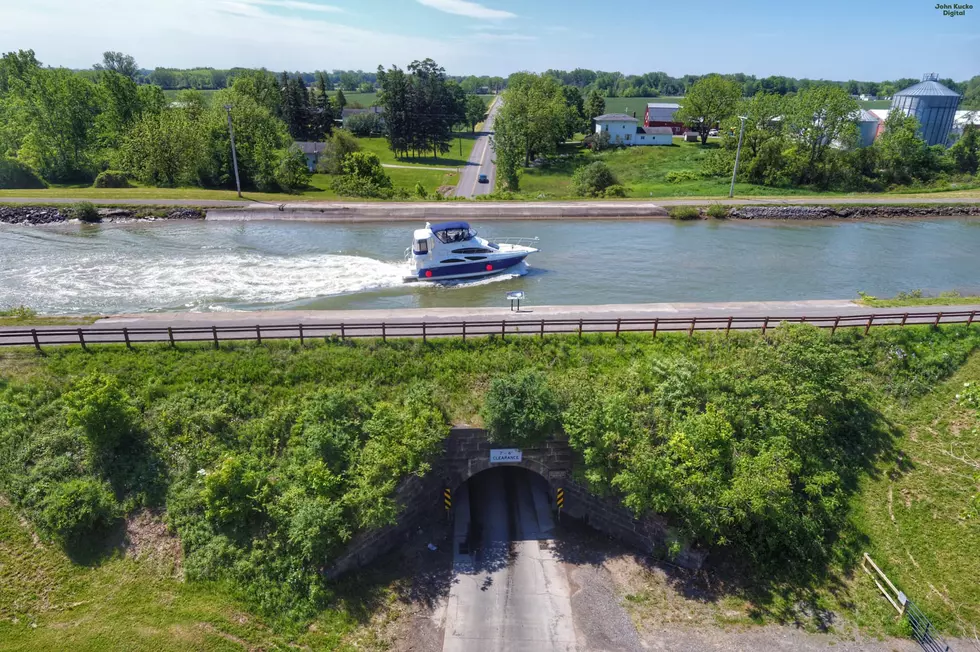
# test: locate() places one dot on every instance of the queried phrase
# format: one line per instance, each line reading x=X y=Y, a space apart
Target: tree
x=535 y=116
x=965 y=153
x=323 y=118
x=816 y=119
x=340 y=100
x=335 y=151
x=421 y=108
x=520 y=409
x=292 y=173
x=576 y=111
x=120 y=63
x=363 y=125
x=903 y=156
x=349 y=81
x=595 y=106
x=710 y=101
x=166 y=149
x=262 y=87
x=476 y=111
x=365 y=88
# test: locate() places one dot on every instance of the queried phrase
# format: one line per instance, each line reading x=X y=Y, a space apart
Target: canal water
x=211 y=266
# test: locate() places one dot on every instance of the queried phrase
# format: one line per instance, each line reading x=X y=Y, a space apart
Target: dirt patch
x=148 y=539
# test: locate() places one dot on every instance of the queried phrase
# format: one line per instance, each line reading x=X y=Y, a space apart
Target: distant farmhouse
x=624 y=130
x=312 y=151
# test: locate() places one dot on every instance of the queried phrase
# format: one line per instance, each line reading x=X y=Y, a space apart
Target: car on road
x=483 y=178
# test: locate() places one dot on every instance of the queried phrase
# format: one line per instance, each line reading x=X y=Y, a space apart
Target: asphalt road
x=441 y=322
x=510 y=593
x=481 y=161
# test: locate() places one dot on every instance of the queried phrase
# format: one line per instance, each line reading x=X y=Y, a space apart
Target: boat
x=453 y=250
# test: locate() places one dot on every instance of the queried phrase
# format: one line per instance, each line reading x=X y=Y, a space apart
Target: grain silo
x=932 y=104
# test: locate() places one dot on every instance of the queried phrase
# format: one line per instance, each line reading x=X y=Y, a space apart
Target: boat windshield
x=455 y=235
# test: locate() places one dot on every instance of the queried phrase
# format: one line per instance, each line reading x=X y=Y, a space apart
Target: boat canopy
x=445 y=226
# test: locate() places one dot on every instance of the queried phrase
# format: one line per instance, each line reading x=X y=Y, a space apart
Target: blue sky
x=831 y=40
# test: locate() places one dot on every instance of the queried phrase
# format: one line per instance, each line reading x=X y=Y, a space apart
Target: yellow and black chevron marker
x=560 y=498
x=447 y=497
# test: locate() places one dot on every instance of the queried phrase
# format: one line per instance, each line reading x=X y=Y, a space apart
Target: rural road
x=510 y=592
x=446 y=321
x=481 y=161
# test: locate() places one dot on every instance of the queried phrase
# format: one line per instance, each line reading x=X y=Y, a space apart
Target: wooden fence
x=83 y=336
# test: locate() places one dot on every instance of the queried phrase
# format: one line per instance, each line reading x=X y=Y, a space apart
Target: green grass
x=916 y=517
x=915 y=299
x=458 y=154
x=24 y=316
x=171 y=95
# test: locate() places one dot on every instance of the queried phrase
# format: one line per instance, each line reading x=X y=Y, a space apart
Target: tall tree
x=340 y=100
x=323 y=108
x=817 y=119
x=595 y=106
x=394 y=98
x=476 y=111
x=710 y=100
x=965 y=153
x=903 y=156
x=534 y=114
x=118 y=62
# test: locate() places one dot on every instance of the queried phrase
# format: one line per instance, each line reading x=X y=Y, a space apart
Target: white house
x=623 y=130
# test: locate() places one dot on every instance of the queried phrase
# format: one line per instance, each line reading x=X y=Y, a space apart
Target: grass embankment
x=458 y=154
x=266 y=458
x=646 y=172
x=916 y=299
x=23 y=316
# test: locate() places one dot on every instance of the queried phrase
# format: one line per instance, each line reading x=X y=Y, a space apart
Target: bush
x=15 y=175
x=684 y=213
x=420 y=191
x=616 y=191
x=98 y=405
x=77 y=509
x=717 y=211
x=520 y=409
x=335 y=151
x=292 y=173
x=679 y=176
x=592 y=180
x=84 y=211
x=363 y=177
x=21 y=313
x=112 y=179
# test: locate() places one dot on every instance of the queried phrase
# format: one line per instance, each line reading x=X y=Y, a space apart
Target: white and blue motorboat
x=452 y=250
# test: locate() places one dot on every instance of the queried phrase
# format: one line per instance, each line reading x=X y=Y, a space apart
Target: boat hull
x=470 y=270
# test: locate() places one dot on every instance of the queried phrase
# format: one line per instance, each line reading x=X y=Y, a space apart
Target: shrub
x=292 y=173
x=15 y=175
x=336 y=149
x=420 y=191
x=98 y=405
x=112 y=179
x=592 y=180
x=680 y=176
x=684 y=213
x=77 y=509
x=616 y=191
x=363 y=177
x=84 y=211
x=21 y=313
x=520 y=409
x=717 y=211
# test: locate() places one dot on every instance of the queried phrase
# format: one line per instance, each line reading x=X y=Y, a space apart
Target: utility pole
x=234 y=155
x=738 y=151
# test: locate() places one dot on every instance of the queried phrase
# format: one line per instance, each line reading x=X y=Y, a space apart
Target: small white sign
x=501 y=455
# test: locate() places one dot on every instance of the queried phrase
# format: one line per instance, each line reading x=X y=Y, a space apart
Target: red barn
x=662 y=115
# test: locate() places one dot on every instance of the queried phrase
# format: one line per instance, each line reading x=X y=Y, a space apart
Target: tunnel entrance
x=499 y=506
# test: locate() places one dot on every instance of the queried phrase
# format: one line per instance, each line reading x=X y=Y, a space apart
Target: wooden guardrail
x=83 y=336
x=922 y=629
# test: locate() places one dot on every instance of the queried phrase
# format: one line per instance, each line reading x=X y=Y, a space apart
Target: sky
x=833 y=39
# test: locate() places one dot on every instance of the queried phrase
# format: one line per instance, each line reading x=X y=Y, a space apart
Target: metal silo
x=933 y=104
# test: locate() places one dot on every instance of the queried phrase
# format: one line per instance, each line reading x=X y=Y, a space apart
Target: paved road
x=481 y=161
x=441 y=322
x=510 y=593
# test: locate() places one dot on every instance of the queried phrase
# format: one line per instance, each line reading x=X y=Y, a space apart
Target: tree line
x=653 y=84
x=58 y=126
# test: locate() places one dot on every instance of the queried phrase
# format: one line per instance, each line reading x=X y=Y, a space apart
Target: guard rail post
x=126 y=337
x=214 y=333
x=694 y=321
x=765 y=325
x=170 y=335
x=542 y=329
x=423 y=331
x=938 y=317
x=37 y=344
x=618 y=324
x=342 y=334
x=384 y=334
x=834 y=329
x=729 y=327
x=868 y=325
x=656 y=323
x=258 y=334
x=301 y=340
x=81 y=340
x=503 y=328
x=905 y=318
x=970 y=320
x=464 y=330
x=580 y=329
